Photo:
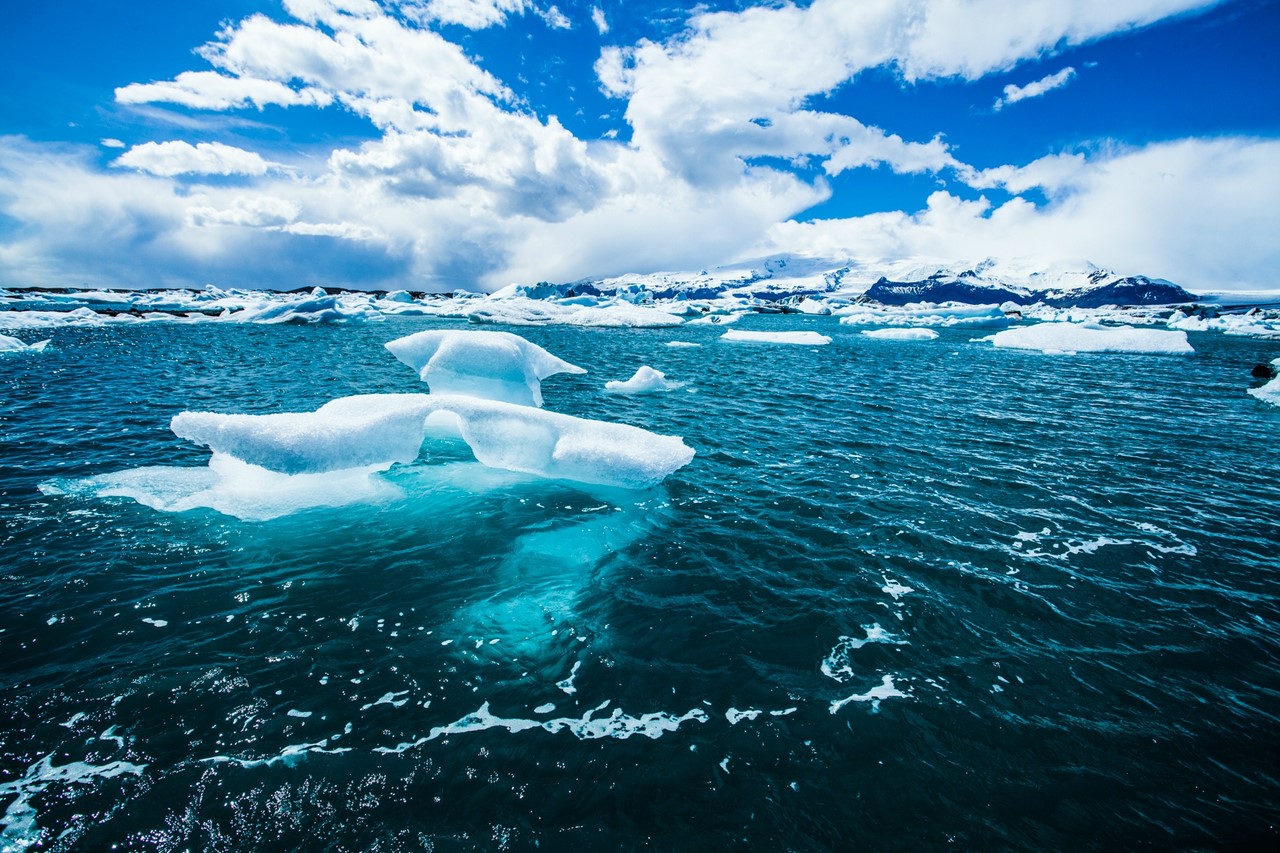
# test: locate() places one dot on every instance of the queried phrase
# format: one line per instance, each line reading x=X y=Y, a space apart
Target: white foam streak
x=20 y=830
x=617 y=725
x=886 y=690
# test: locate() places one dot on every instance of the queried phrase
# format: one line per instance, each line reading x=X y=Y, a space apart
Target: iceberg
x=492 y=365
x=646 y=380
x=800 y=338
x=374 y=431
x=1070 y=338
x=1270 y=392
x=901 y=334
x=10 y=344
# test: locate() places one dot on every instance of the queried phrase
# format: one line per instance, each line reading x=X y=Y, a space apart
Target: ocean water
x=907 y=594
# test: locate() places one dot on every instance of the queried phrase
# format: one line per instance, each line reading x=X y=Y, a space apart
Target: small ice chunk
x=645 y=381
x=302 y=715
x=490 y=365
x=682 y=344
x=1269 y=393
x=812 y=339
x=11 y=344
x=901 y=334
x=159 y=623
x=1062 y=338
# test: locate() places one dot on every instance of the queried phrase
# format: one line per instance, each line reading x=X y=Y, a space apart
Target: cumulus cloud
x=168 y=159
x=1013 y=94
x=110 y=142
x=1198 y=211
x=256 y=211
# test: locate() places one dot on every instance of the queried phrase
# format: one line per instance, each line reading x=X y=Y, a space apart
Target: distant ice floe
x=491 y=365
x=1070 y=338
x=646 y=380
x=9 y=344
x=1270 y=392
x=901 y=334
x=950 y=316
x=519 y=311
x=798 y=338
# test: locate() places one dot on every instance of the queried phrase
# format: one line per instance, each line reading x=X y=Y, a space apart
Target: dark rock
x=1263 y=371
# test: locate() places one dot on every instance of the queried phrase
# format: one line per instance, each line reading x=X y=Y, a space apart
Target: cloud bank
x=461 y=184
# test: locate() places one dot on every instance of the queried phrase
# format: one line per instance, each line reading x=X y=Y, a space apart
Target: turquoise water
x=906 y=594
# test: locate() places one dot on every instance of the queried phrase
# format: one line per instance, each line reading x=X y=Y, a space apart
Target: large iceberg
x=1077 y=337
x=491 y=365
x=374 y=431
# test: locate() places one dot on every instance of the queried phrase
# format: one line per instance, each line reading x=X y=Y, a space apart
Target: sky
x=468 y=144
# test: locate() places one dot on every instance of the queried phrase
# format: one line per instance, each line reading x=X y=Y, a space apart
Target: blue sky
x=436 y=144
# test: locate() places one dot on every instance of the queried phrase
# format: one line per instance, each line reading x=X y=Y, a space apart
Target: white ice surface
x=646 y=380
x=1270 y=392
x=1075 y=337
x=9 y=344
x=901 y=334
x=377 y=430
x=801 y=338
x=490 y=365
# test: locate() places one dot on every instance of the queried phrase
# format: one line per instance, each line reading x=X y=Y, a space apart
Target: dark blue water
x=907 y=594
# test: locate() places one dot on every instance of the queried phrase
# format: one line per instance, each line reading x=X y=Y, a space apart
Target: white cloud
x=555 y=19
x=472 y=14
x=256 y=211
x=110 y=142
x=168 y=159
x=209 y=90
x=1198 y=211
x=1013 y=94
x=598 y=18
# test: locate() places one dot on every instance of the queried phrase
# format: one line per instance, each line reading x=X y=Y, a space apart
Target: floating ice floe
x=1070 y=338
x=492 y=365
x=901 y=334
x=800 y=338
x=520 y=311
x=1270 y=392
x=951 y=316
x=374 y=431
x=9 y=344
x=318 y=307
x=645 y=381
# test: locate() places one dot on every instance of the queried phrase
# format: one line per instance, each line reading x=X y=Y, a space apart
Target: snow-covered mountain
x=790 y=277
